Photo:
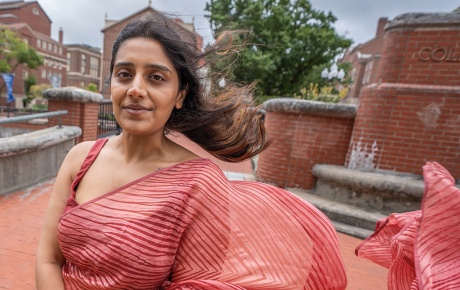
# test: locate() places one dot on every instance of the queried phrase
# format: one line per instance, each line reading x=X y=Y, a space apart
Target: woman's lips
x=136 y=109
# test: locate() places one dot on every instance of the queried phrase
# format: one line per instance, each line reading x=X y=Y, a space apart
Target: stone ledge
x=72 y=94
x=408 y=20
x=31 y=158
x=291 y=105
x=383 y=192
x=35 y=140
x=360 y=180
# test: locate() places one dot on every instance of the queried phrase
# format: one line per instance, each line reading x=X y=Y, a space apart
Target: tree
x=288 y=38
x=14 y=52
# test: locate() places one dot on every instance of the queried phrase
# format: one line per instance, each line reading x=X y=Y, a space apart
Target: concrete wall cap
x=72 y=94
x=424 y=19
x=35 y=140
x=361 y=180
x=308 y=107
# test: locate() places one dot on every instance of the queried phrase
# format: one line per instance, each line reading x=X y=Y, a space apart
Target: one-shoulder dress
x=188 y=227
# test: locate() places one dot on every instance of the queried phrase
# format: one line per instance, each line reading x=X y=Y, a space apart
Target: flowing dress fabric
x=188 y=227
x=421 y=248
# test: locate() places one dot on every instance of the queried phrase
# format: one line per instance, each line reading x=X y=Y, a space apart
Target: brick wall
x=83 y=115
x=413 y=114
x=421 y=56
x=411 y=124
x=299 y=142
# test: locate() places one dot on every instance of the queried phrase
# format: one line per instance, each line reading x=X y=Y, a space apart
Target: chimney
x=381 y=27
x=61 y=35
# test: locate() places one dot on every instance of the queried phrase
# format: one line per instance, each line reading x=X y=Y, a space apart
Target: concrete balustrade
x=31 y=158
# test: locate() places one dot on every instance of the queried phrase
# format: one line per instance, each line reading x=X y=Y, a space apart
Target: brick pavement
x=21 y=217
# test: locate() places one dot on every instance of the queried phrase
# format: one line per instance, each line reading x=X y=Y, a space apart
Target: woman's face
x=144 y=87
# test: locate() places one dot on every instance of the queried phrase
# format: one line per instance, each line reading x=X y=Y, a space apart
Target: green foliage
x=260 y=99
x=39 y=107
x=92 y=87
x=36 y=91
x=315 y=93
x=14 y=51
x=106 y=116
x=288 y=38
x=28 y=82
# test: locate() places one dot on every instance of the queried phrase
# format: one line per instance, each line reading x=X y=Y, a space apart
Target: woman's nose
x=137 y=88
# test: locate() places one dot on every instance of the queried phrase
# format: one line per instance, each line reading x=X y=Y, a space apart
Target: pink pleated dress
x=188 y=227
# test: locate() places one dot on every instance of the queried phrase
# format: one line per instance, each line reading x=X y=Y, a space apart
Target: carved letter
x=443 y=52
x=419 y=54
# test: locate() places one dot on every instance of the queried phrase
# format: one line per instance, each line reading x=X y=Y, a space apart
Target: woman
x=138 y=211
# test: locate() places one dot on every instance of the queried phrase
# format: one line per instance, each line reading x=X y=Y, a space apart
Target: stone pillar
x=304 y=133
x=82 y=107
x=412 y=115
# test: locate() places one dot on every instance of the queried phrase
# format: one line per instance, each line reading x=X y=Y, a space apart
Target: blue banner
x=9 y=78
x=55 y=81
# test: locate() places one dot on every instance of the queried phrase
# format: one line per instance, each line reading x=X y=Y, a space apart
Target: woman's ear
x=180 y=98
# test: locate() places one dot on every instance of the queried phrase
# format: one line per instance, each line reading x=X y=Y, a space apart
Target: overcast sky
x=82 y=20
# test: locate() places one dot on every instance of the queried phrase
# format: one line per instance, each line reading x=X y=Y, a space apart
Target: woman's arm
x=49 y=256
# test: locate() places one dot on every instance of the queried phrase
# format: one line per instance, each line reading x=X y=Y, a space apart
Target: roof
x=84 y=46
x=110 y=23
x=189 y=27
x=17 y=26
x=19 y=4
x=13 y=4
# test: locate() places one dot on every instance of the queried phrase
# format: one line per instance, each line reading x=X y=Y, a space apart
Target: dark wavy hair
x=225 y=124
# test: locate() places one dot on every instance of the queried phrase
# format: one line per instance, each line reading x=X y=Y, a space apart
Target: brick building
x=32 y=24
x=84 y=65
x=112 y=29
x=365 y=60
x=412 y=114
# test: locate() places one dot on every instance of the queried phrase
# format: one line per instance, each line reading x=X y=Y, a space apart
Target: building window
x=68 y=61
x=94 y=67
x=60 y=50
x=83 y=63
x=43 y=73
x=35 y=11
x=50 y=46
x=43 y=44
x=55 y=48
x=39 y=43
x=25 y=75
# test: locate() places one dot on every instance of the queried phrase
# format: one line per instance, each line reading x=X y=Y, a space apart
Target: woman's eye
x=123 y=74
x=157 y=77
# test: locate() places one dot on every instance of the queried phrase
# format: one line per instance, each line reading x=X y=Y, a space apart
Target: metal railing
x=13 y=111
x=107 y=124
x=34 y=116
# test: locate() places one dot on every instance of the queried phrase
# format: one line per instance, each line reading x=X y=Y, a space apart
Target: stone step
x=352 y=230
x=349 y=219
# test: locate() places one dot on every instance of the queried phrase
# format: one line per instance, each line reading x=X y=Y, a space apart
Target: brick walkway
x=21 y=217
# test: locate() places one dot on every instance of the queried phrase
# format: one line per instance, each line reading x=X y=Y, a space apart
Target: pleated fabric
x=188 y=227
x=421 y=249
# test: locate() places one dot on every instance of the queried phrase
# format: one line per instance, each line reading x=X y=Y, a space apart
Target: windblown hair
x=223 y=122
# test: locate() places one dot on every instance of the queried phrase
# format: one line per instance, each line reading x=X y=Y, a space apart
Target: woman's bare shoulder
x=81 y=149
x=76 y=156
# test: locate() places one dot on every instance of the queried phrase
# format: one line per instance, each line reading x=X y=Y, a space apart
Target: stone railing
x=380 y=191
x=31 y=158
